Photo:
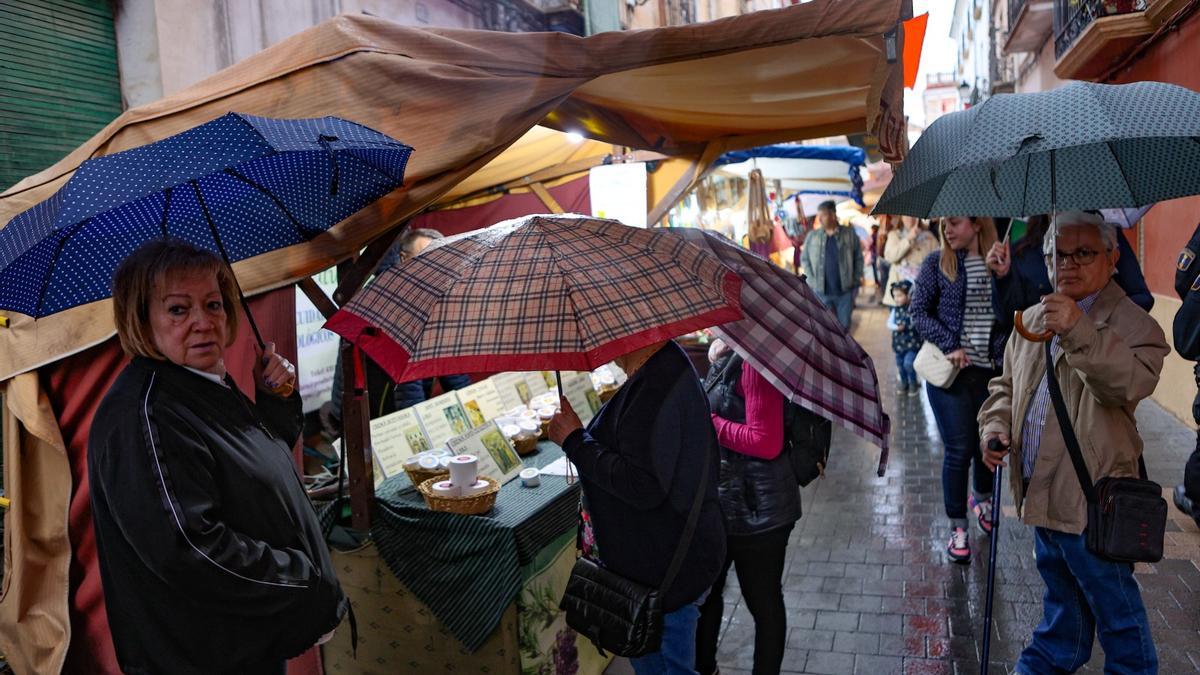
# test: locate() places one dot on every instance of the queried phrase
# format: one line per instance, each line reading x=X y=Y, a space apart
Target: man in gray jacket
x=833 y=261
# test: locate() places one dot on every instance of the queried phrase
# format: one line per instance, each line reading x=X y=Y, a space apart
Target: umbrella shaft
x=212 y=228
x=993 y=545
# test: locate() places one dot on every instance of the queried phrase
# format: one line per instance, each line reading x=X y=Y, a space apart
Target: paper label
x=396 y=437
x=497 y=458
x=481 y=402
x=513 y=389
x=443 y=418
x=537 y=382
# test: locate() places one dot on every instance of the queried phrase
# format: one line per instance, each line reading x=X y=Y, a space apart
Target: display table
x=434 y=592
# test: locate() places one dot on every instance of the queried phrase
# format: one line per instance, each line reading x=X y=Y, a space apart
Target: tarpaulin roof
x=460 y=97
x=820 y=169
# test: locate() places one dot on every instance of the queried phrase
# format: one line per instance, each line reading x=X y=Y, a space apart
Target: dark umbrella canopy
x=1111 y=145
x=244 y=184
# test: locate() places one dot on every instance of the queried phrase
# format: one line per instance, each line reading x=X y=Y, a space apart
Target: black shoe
x=1184 y=503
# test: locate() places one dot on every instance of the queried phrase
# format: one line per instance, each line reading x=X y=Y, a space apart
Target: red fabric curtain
x=75 y=386
x=573 y=196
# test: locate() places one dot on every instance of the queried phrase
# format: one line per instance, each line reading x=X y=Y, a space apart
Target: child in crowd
x=905 y=341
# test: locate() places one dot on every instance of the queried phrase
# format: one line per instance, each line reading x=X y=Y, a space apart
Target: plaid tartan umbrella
x=537 y=293
x=797 y=343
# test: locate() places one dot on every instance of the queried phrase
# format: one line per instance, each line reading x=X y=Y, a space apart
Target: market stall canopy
x=823 y=169
x=460 y=97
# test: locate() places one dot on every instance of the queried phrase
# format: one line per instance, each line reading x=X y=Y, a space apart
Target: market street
x=868 y=588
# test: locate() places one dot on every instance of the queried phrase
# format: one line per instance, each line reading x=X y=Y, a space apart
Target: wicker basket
x=468 y=506
x=419 y=475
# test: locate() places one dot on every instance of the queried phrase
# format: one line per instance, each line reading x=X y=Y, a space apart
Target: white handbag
x=933 y=366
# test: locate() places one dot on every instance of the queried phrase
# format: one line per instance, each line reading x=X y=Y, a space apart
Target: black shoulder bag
x=1126 y=517
x=620 y=615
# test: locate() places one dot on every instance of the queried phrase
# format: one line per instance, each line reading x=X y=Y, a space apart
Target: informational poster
x=316 y=348
x=618 y=191
x=396 y=437
x=481 y=402
x=443 y=418
x=577 y=388
x=497 y=458
x=537 y=382
x=513 y=389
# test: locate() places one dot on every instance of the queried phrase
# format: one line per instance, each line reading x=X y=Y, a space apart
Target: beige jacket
x=1110 y=361
x=905 y=256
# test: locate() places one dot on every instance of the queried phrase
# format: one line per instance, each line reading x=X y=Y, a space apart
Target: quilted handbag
x=933 y=366
x=620 y=615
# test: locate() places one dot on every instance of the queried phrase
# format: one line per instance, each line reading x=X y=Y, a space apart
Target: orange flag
x=914 y=39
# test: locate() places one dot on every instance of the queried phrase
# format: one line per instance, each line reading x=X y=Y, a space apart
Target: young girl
x=905 y=341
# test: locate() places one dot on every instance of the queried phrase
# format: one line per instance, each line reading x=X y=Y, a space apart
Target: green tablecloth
x=467 y=569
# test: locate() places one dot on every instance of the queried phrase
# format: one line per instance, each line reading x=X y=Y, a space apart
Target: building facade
x=1121 y=41
x=69 y=67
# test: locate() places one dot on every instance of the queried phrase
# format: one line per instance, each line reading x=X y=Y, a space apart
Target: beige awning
x=461 y=97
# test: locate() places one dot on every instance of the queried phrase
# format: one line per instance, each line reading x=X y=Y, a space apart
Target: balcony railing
x=1072 y=17
x=1014 y=11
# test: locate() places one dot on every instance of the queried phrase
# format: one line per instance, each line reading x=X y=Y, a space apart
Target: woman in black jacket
x=760 y=502
x=211 y=557
x=640 y=461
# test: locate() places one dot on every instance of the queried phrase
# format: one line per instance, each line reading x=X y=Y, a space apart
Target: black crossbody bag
x=620 y=615
x=1126 y=517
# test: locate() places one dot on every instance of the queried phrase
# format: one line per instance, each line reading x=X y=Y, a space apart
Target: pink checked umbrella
x=797 y=343
x=537 y=293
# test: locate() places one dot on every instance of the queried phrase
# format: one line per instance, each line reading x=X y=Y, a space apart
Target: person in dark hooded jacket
x=1187 y=342
x=211 y=556
x=760 y=501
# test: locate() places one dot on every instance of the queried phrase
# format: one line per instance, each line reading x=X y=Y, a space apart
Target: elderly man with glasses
x=1108 y=353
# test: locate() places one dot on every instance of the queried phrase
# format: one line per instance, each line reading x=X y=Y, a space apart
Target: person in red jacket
x=760 y=502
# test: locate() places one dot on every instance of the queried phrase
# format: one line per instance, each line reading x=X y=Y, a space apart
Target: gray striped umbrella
x=797 y=344
x=1111 y=146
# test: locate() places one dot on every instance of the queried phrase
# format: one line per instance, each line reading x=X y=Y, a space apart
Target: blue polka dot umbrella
x=239 y=185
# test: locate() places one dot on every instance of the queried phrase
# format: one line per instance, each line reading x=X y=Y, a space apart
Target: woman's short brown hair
x=148 y=266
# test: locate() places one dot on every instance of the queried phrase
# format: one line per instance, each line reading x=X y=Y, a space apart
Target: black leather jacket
x=1187 y=319
x=757 y=495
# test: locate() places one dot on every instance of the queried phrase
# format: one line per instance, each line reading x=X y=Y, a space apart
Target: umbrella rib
x=300 y=229
x=62 y=243
x=1025 y=191
x=162 y=225
x=1124 y=176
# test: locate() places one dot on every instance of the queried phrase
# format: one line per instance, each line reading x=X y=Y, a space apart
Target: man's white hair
x=1107 y=230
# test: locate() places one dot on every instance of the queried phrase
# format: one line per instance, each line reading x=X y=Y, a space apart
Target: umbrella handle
x=1019 y=324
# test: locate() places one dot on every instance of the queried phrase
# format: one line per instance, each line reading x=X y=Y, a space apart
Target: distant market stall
x=462 y=99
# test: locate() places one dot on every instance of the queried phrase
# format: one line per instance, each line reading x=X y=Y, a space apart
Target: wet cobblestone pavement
x=868 y=588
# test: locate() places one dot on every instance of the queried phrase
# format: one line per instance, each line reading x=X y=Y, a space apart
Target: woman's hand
x=959 y=358
x=564 y=423
x=998 y=260
x=275 y=372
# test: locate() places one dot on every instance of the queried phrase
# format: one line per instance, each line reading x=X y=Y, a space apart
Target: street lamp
x=964 y=93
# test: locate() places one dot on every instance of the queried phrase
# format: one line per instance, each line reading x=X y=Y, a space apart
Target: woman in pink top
x=760 y=502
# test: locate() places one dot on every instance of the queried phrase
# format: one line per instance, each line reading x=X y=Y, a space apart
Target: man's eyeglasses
x=1081 y=257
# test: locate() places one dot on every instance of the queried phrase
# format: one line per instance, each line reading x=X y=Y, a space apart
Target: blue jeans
x=904 y=363
x=842 y=304
x=1086 y=596
x=677 y=655
x=955 y=410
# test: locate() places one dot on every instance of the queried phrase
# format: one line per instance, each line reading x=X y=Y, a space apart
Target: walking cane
x=997 y=485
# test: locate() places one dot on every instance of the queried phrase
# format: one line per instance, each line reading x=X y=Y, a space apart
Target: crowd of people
x=249 y=538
